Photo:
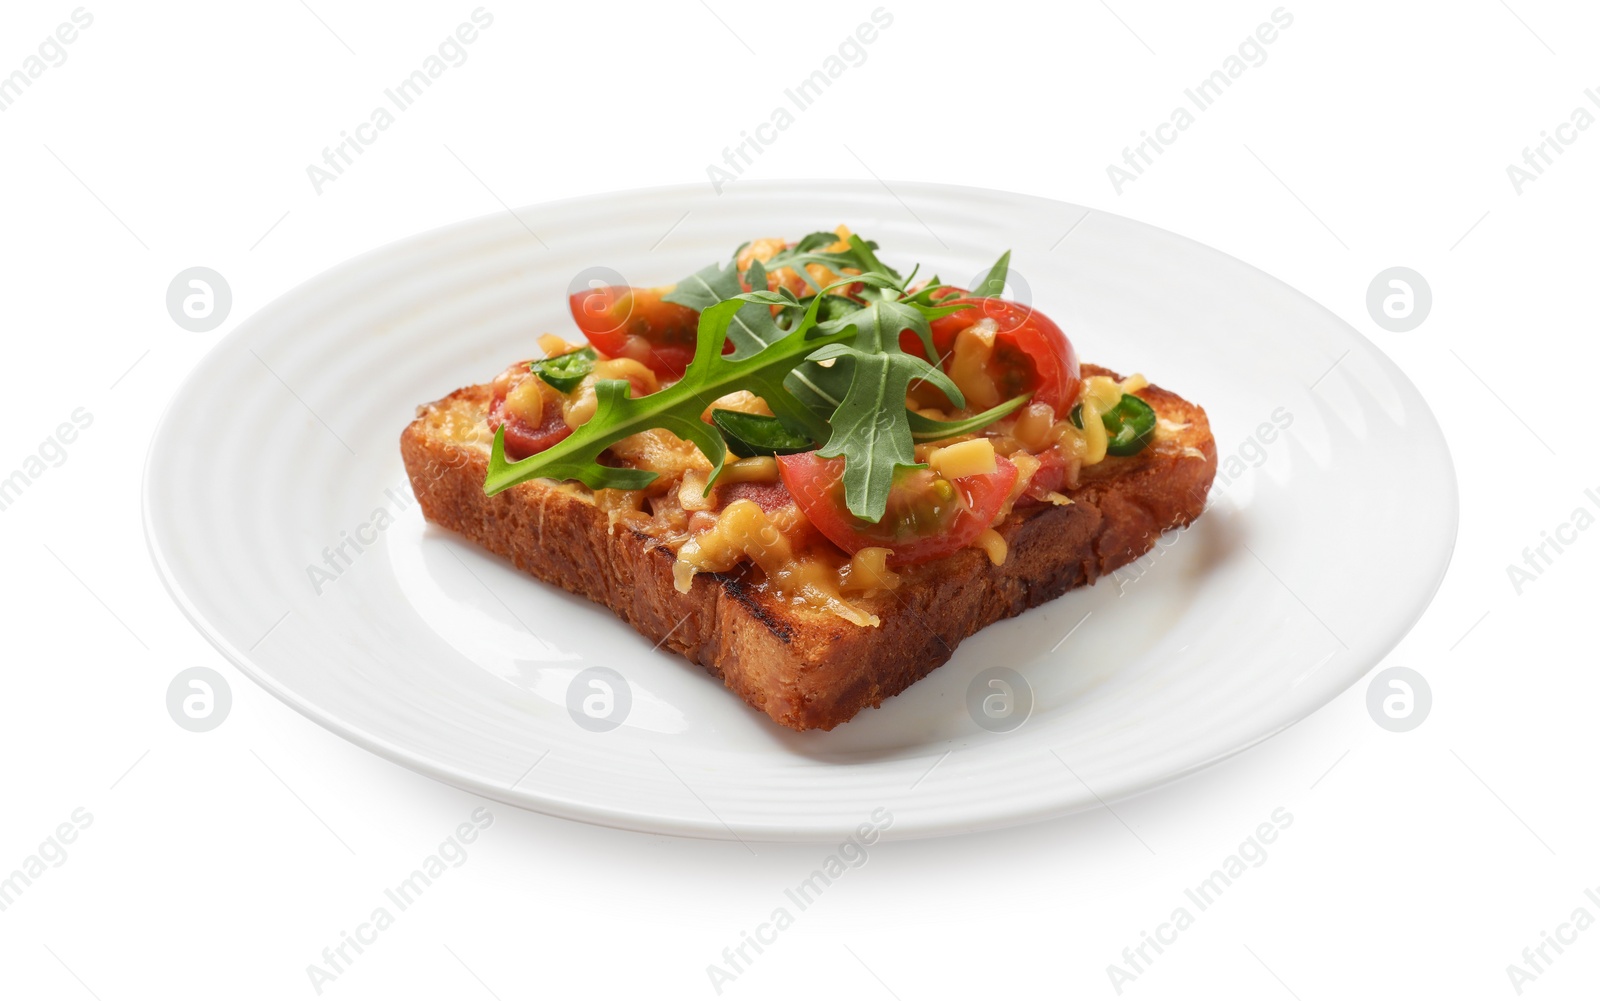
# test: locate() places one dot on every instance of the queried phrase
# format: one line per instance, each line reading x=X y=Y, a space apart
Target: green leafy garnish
x=752 y=327
x=864 y=252
x=564 y=372
x=756 y=434
x=928 y=429
x=833 y=307
x=807 y=251
x=678 y=407
x=830 y=367
x=994 y=283
x=871 y=426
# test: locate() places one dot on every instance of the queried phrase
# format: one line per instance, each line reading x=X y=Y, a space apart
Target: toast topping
x=744 y=531
x=873 y=423
x=879 y=430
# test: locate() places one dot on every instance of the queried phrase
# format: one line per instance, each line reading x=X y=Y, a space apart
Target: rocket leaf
x=678 y=407
x=870 y=424
x=995 y=282
x=841 y=381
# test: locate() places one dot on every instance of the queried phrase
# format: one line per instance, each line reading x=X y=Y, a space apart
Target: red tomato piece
x=1031 y=353
x=928 y=516
x=637 y=323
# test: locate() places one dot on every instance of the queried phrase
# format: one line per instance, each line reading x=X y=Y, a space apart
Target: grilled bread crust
x=805 y=668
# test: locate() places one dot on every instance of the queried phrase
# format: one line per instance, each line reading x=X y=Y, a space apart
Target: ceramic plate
x=280 y=516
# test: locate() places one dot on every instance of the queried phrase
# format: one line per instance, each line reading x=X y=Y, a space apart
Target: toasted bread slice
x=809 y=669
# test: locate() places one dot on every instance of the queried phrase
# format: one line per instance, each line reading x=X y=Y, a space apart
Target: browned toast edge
x=807 y=669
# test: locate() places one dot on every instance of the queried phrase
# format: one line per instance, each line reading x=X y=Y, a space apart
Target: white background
x=1375 y=134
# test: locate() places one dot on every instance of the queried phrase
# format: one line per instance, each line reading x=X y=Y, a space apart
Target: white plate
x=283 y=442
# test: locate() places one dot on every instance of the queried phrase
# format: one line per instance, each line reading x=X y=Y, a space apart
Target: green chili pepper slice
x=1129 y=425
x=755 y=434
x=564 y=372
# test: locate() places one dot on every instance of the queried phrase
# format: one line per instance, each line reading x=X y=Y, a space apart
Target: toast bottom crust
x=804 y=668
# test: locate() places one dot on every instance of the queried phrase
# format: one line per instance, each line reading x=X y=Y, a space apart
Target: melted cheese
x=756 y=469
x=663 y=453
x=743 y=531
x=692 y=492
x=461 y=426
x=742 y=400
x=1087 y=445
x=993 y=544
x=627 y=368
x=967 y=458
x=620 y=505
x=868 y=572
x=1035 y=427
x=969 y=364
x=553 y=345
x=526 y=401
x=580 y=404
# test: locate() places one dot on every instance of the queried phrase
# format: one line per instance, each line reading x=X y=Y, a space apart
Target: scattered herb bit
x=928 y=429
x=994 y=284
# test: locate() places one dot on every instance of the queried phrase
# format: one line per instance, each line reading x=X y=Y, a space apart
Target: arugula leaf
x=820 y=387
x=869 y=260
x=871 y=426
x=928 y=429
x=995 y=282
x=707 y=287
x=753 y=327
x=823 y=387
x=806 y=252
x=833 y=307
x=838 y=377
x=924 y=297
x=676 y=408
x=564 y=372
x=880 y=321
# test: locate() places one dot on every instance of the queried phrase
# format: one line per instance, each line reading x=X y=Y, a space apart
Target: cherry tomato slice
x=637 y=323
x=1031 y=353
x=928 y=516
